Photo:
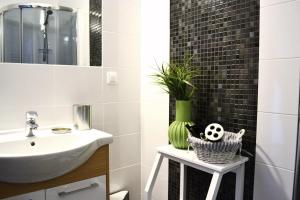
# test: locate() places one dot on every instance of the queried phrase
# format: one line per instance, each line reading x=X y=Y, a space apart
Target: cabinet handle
x=93 y=185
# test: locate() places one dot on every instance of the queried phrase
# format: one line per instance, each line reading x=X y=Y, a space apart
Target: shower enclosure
x=36 y=33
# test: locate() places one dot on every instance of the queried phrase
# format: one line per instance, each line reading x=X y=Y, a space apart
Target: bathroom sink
x=47 y=155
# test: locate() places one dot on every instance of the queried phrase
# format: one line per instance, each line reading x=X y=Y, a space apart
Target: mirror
x=51 y=32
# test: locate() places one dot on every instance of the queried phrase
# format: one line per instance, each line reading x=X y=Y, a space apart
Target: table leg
x=239 y=184
x=182 y=181
x=214 y=186
x=153 y=176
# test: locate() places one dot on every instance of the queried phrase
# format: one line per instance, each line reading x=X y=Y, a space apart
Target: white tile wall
x=160 y=190
x=122 y=16
x=110 y=44
x=50 y=90
x=276 y=139
x=154 y=128
x=20 y=86
x=127 y=88
x=97 y=115
x=122 y=50
x=122 y=118
x=11 y=118
x=81 y=85
x=127 y=178
x=272 y=183
x=279 y=33
x=128 y=50
x=121 y=108
x=278 y=99
x=125 y=151
x=278 y=89
x=155 y=103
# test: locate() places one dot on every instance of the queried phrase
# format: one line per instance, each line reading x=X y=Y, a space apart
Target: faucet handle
x=31 y=115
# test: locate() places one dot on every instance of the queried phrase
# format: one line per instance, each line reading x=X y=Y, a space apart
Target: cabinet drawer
x=39 y=195
x=91 y=189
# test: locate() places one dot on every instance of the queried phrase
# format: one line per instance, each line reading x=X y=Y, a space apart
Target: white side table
x=189 y=158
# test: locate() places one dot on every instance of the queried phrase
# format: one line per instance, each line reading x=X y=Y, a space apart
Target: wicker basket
x=216 y=152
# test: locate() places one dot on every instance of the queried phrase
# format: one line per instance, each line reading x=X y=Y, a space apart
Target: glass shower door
x=12 y=36
x=66 y=38
x=32 y=37
x=56 y=43
x=39 y=35
x=39 y=42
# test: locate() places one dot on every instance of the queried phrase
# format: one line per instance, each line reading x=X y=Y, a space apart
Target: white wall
x=155 y=37
x=121 y=103
x=278 y=99
x=52 y=90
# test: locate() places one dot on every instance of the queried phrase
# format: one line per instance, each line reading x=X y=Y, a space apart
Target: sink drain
x=32 y=144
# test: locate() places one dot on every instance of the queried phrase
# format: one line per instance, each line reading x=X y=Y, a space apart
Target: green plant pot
x=177 y=131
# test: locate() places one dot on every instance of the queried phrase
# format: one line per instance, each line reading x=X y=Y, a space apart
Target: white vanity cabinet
x=91 y=189
x=39 y=195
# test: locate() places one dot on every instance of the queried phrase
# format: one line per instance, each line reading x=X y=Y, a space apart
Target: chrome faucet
x=30 y=124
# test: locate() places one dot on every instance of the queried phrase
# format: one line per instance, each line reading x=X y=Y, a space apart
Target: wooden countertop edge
x=97 y=165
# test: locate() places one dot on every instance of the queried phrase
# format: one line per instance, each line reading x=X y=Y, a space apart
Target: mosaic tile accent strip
x=96 y=32
x=223 y=37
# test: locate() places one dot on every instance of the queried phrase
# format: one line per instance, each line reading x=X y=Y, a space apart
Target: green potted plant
x=175 y=79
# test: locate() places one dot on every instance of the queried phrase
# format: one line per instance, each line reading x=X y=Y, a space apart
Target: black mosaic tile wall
x=223 y=36
x=95 y=32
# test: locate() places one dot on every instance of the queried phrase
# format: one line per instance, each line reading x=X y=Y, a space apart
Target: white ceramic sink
x=47 y=155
